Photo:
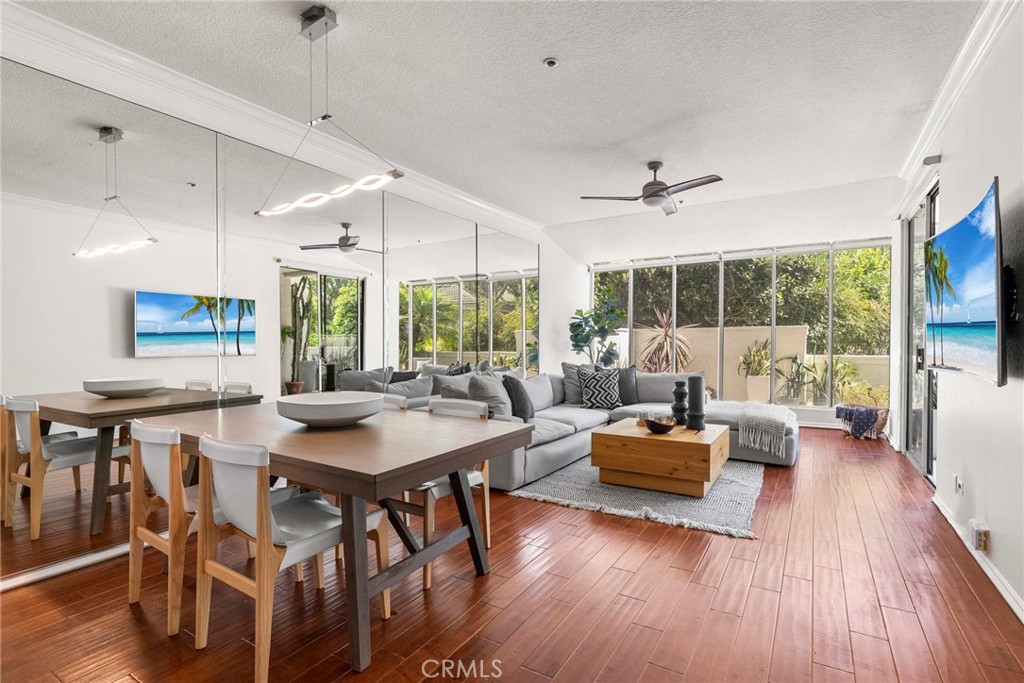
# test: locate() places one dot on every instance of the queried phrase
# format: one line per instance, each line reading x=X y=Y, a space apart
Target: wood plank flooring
x=855 y=577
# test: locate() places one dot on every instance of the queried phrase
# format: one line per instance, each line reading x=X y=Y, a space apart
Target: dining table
x=91 y=411
x=373 y=460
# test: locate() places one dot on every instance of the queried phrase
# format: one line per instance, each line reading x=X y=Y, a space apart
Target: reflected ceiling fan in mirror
x=345 y=244
x=659 y=193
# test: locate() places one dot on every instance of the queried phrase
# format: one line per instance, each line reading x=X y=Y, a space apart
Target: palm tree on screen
x=943 y=286
x=211 y=305
x=245 y=307
x=930 y=280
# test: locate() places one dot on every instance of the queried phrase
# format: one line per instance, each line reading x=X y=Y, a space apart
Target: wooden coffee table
x=683 y=461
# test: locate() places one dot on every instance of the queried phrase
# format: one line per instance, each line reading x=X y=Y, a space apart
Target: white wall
x=564 y=287
x=74 y=317
x=980 y=428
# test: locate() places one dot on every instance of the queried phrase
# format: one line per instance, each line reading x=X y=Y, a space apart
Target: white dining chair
x=395 y=402
x=3 y=457
x=238 y=387
x=156 y=455
x=42 y=454
x=199 y=385
x=285 y=534
x=432 y=491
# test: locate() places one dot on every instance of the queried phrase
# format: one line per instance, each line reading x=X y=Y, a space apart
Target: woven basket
x=879 y=427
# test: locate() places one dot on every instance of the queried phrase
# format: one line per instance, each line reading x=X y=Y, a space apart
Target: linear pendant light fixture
x=111 y=136
x=317 y=22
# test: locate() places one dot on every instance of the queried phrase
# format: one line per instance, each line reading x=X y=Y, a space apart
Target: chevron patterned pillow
x=600 y=388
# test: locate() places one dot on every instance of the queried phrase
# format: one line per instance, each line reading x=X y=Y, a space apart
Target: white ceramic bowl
x=330 y=408
x=124 y=387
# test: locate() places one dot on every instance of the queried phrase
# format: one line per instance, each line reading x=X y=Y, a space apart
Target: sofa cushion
x=631 y=411
x=546 y=431
x=487 y=387
x=519 y=397
x=576 y=416
x=410 y=388
x=600 y=388
x=448 y=391
x=728 y=413
x=571 y=379
x=456 y=381
x=403 y=376
x=557 y=389
x=539 y=388
x=656 y=387
x=431 y=369
x=355 y=380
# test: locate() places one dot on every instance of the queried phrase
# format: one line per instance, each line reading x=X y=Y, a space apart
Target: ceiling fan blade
x=669 y=206
x=307 y=247
x=618 y=199
x=690 y=184
x=371 y=251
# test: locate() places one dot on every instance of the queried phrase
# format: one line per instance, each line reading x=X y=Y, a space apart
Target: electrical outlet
x=958 y=485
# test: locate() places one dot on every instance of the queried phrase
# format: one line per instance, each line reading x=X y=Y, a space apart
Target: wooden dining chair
x=429 y=493
x=238 y=387
x=156 y=455
x=42 y=454
x=199 y=385
x=285 y=534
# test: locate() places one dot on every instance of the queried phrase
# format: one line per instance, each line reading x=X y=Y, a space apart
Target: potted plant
x=795 y=381
x=589 y=331
x=756 y=365
x=664 y=342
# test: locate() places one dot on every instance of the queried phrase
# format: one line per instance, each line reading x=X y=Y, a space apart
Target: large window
x=748 y=329
x=474 y=320
x=812 y=322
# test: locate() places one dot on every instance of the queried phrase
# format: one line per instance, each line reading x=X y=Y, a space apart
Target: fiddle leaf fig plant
x=589 y=330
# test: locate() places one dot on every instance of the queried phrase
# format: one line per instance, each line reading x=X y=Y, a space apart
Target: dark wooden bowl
x=658 y=427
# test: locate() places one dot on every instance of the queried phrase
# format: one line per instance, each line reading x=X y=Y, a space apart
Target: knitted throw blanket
x=763 y=428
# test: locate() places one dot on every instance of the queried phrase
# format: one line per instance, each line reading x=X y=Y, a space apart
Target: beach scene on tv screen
x=960 y=280
x=185 y=325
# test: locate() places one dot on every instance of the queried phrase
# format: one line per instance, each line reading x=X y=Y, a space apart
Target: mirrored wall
x=222 y=298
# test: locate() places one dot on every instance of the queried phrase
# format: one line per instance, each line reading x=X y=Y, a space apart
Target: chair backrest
x=155 y=445
x=395 y=402
x=199 y=385
x=457 y=407
x=25 y=411
x=238 y=387
x=237 y=479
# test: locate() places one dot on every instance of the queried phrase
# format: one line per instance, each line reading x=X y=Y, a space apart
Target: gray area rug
x=728 y=508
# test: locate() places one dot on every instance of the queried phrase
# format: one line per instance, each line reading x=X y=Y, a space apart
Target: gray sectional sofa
x=562 y=432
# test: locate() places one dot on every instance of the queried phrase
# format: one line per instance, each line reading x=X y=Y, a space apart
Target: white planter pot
x=759 y=388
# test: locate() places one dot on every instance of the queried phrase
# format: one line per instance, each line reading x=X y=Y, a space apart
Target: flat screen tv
x=168 y=325
x=963 y=282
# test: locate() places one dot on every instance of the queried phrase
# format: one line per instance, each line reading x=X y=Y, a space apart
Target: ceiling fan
x=346 y=243
x=659 y=193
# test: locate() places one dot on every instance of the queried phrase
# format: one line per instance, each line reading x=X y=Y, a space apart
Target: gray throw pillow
x=600 y=388
x=441 y=381
x=431 y=369
x=486 y=387
x=519 y=397
x=410 y=388
x=518 y=373
x=656 y=387
x=403 y=376
x=539 y=389
x=627 y=386
x=570 y=374
x=448 y=391
x=355 y=380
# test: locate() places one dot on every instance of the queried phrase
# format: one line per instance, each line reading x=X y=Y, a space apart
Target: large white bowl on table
x=330 y=408
x=124 y=387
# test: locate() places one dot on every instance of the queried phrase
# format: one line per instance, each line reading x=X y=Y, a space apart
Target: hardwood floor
x=855 y=577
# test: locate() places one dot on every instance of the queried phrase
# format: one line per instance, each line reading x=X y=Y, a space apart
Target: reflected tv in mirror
x=175 y=325
x=963 y=282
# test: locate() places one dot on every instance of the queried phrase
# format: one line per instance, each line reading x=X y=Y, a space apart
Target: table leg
x=44 y=429
x=463 y=495
x=101 y=478
x=353 y=540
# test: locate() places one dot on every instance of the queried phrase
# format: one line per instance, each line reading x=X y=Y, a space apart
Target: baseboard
x=1014 y=600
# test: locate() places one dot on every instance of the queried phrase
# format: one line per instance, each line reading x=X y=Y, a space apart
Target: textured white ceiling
x=51 y=151
x=775 y=97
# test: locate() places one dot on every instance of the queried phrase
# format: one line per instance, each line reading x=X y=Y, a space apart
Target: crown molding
x=39 y=42
x=992 y=19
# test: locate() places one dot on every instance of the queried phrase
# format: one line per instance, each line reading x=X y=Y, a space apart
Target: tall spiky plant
x=657 y=352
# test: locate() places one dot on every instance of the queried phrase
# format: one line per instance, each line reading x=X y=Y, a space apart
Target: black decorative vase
x=679 y=407
x=695 y=411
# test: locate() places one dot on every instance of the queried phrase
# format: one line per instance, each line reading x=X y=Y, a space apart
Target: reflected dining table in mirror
x=105 y=415
x=374 y=460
